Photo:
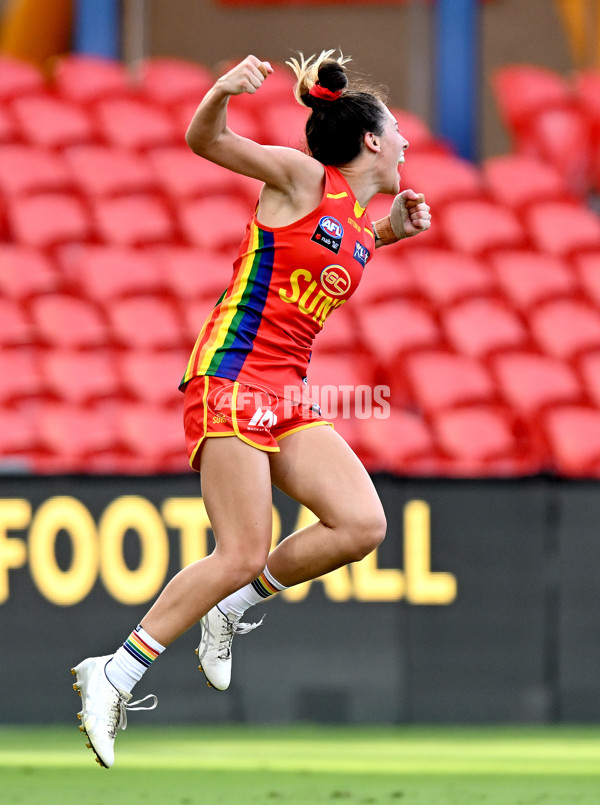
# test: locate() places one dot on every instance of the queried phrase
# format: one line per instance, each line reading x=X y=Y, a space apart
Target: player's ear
x=371 y=141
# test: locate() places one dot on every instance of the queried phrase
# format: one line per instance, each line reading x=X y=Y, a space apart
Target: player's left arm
x=409 y=215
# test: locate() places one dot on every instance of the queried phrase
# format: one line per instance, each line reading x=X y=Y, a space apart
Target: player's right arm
x=283 y=169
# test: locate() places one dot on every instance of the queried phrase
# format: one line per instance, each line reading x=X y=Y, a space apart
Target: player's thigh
x=317 y=468
x=236 y=489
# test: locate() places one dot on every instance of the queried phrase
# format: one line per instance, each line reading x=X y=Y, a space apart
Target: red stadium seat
x=81 y=377
x=28 y=169
x=561 y=229
x=98 y=170
x=393 y=328
x=65 y=321
x=486 y=441
x=145 y=323
x=165 y=368
x=441 y=177
x=445 y=380
x=418 y=133
x=387 y=276
x=193 y=273
x=587 y=269
x=183 y=175
x=84 y=79
x=284 y=124
x=50 y=122
x=214 y=223
x=444 y=276
x=21 y=376
x=135 y=125
x=515 y=180
x=401 y=444
x=136 y=220
x=589 y=369
x=565 y=328
x=25 y=272
x=15 y=326
x=104 y=273
x=333 y=380
x=9 y=132
x=522 y=89
x=48 y=219
x=490 y=226
x=195 y=314
x=480 y=327
x=167 y=81
x=339 y=334
x=18 y=78
x=530 y=382
x=154 y=435
x=573 y=433
x=528 y=278
x=19 y=444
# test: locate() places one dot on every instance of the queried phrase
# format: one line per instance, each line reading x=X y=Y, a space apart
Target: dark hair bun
x=332 y=76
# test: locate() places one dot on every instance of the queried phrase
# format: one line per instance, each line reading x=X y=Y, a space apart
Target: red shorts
x=215 y=406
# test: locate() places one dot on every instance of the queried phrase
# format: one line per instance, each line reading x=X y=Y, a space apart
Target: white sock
x=131 y=661
x=263 y=587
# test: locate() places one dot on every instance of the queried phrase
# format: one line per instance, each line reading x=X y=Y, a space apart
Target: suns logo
x=336 y=280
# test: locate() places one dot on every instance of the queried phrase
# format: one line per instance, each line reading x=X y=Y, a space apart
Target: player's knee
x=247 y=568
x=368 y=532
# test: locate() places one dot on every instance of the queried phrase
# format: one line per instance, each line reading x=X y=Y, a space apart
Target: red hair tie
x=317 y=91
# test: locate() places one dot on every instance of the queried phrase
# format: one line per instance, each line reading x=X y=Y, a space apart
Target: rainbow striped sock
x=263 y=587
x=131 y=661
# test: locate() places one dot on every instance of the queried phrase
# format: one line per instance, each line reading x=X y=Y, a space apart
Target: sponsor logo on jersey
x=361 y=253
x=336 y=280
x=329 y=233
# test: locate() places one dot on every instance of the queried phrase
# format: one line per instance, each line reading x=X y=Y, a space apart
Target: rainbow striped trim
x=264 y=587
x=140 y=650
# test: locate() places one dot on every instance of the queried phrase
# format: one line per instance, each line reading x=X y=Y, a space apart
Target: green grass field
x=305 y=766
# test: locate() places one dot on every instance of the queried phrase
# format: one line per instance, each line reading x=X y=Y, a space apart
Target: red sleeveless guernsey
x=286 y=281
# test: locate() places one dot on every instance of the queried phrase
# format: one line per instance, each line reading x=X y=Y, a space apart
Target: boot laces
x=118 y=715
x=229 y=630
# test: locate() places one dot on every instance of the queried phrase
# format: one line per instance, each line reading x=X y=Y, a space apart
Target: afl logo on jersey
x=335 y=280
x=329 y=233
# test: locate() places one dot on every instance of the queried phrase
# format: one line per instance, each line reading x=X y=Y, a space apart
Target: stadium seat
x=154 y=435
x=169 y=81
x=486 y=441
x=334 y=370
x=215 y=223
x=393 y=328
x=589 y=370
x=21 y=375
x=442 y=178
x=284 y=124
x=51 y=122
x=99 y=170
x=46 y=220
x=418 y=133
x=522 y=89
x=444 y=380
x=387 y=276
x=136 y=220
x=528 y=278
x=401 y=444
x=561 y=229
x=195 y=314
x=19 y=445
x=182 y=175
x=480 y=327
x=573 y=433
x=193 y=273
x=81 y=377
x=104 y=273
x=490 y=226
x=19 y=78
x=28 y=169
x=530 y=382
x=587 y=270
x=84 y=79
x=65 y=321
x=339 y=333
x=152 y=376
x=135 y=125
x=444 y=276
x=566 y=328
x=25 y=272
x=9 y=132
x=145 y=322
x=515 y=180
x=15 y=325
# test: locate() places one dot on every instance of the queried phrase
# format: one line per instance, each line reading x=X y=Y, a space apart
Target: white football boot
x=214 y=651
x=104 y=707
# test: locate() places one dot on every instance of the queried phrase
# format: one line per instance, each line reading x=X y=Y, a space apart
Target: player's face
x=393 y=146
